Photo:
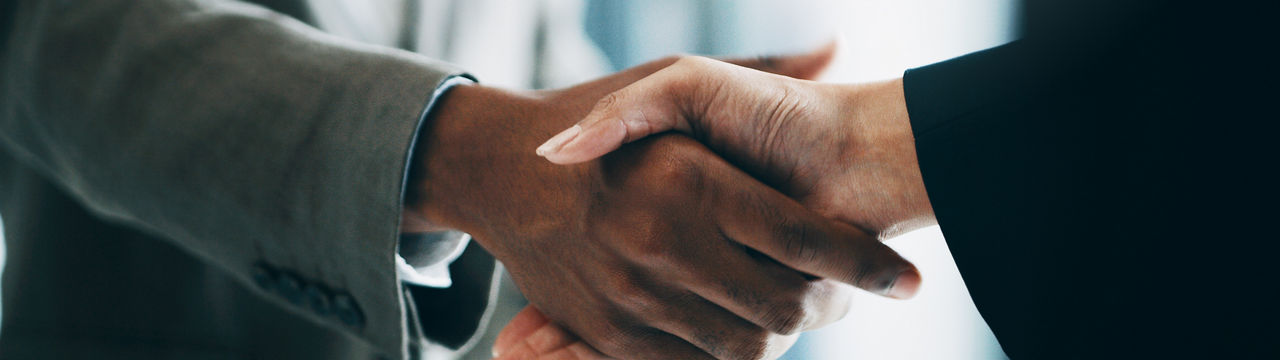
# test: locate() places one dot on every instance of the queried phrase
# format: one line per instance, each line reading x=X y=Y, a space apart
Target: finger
x=521 y=326
x=719 y=332
x=658 y=344
x=651 y=105
x=786 y=308
x=765 y=293
x=542 y=342
x=531 y=335
x=580 y=350
x=809 y=65
x=762 y=218
x=668 y=98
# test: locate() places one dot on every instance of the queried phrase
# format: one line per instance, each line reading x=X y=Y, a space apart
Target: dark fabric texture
x=1101 y=182
x=76 y=287
x=194 y=179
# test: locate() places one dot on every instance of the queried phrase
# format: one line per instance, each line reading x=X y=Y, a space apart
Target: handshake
x=724 y=241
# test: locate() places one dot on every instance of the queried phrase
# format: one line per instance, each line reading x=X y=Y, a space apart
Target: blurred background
x=879 y=39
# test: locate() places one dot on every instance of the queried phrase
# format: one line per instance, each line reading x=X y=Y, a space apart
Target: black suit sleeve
x=994 y=181
x=1079 y=178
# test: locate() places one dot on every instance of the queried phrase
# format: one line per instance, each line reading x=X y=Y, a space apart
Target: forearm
x=198 y=102
x=238 y=133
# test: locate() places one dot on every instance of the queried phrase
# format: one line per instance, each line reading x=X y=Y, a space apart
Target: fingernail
x=557 y=142
x=905 y=285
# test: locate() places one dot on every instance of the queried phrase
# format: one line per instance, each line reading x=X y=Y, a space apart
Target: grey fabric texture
x=156 y=155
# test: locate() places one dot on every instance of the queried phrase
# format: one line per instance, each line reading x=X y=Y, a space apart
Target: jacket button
x=318 y=300
x=264 y=278
x=347 y=311
x=290 y=288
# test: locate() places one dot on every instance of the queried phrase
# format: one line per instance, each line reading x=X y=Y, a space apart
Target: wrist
x=447 y=142
x=879 y=112
x=880 y=109
x=475 y=149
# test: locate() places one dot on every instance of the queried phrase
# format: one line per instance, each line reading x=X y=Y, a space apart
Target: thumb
x=673 y=99
x=657 y=103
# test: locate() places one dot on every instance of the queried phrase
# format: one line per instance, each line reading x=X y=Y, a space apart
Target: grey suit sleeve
x=244 y=136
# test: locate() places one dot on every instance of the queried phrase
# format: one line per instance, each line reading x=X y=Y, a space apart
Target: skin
x=531 y=336
x=846 y=151
x=658 y=250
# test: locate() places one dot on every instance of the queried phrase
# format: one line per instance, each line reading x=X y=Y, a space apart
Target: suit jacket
x=1094 y=180
x=211 y=179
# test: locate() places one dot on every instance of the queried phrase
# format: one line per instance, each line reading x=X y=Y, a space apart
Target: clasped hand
x=669 y=248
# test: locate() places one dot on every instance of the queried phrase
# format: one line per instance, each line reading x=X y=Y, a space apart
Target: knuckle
x=753 y=344
x=616 y=338
x=785 y=106
x=786 y=315
x=630 y=296
x=745 y=296
x=640 y=239
x=670 y=169
x=680 y=174
x=642 y=306
x=608 y=102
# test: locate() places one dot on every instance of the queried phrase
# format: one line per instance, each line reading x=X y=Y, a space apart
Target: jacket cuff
x=366 y=163
x=423 y=259
x=940 y=94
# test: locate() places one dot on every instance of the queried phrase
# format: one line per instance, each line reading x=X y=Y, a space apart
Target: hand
x=531 y=336
x=845 y=151
x=661 y=250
